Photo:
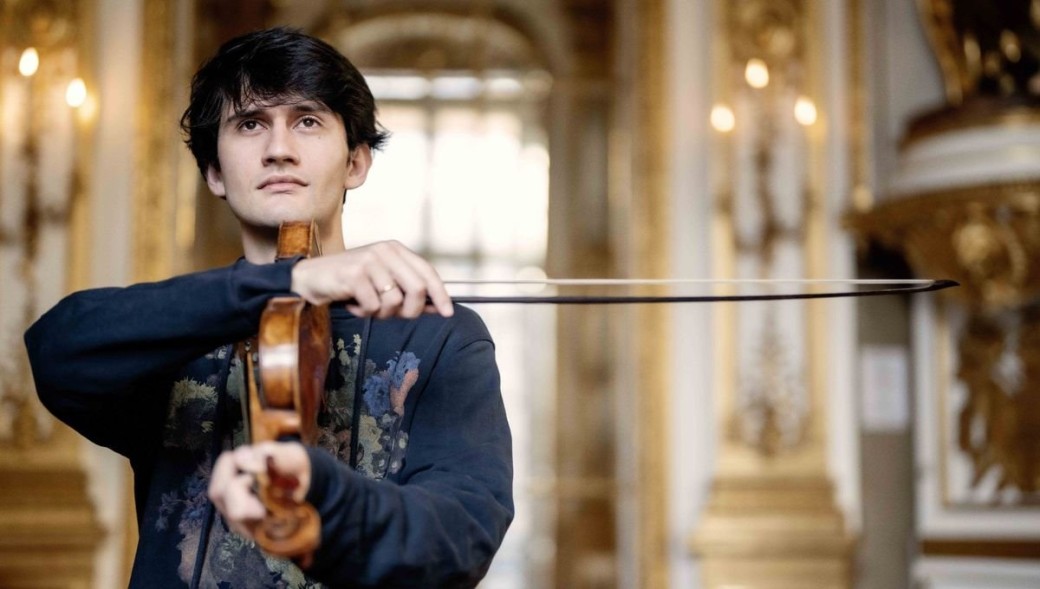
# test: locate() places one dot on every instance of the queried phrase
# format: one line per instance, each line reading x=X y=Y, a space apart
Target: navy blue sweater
x=412 y=473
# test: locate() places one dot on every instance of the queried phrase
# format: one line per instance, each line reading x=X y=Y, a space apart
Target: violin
x=285 y=383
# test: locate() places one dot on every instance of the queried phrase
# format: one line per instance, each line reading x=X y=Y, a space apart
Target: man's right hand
x=383 y=279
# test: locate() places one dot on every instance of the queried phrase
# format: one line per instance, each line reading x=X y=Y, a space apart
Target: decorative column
x=965 y=204
x=772 y=519
x=48 y=528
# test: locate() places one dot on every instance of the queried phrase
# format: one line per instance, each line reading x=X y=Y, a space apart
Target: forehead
x=255 y=106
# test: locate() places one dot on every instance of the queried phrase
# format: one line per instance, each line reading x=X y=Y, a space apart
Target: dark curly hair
x=270 y=66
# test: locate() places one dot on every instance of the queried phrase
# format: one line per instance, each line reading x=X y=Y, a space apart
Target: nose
x=281 y=146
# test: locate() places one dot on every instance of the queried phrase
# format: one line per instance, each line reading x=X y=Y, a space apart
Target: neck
x=260 y=244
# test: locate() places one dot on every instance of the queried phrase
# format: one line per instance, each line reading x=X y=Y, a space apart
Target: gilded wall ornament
x=988 y=239
x=985 y=47
x=39 y=57
x=997 y=425
x=767 y=202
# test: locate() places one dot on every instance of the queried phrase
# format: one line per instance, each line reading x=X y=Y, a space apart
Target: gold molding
x=987 y=237
x=153 y=195
x=79 y=245
x=163 y=216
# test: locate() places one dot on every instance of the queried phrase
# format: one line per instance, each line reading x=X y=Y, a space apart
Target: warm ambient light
x=805 y=111
x=76 y=93
x=756 y=73
x=722 y=118
x=29 y=62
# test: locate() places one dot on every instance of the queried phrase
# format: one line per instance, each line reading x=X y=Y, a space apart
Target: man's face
x=285 y=162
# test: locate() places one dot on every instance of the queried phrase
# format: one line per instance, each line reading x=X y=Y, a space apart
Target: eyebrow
x=306 y=106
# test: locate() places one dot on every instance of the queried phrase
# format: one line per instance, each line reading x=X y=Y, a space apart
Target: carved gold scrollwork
x=984 y=47
x=773 y=414
x=766 y=29
x=984 y=237
x=988 y=239
x=983 y=232
x=998 y=424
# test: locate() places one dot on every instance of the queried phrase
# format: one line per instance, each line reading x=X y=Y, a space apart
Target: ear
x=215 y=181
x=357 y=167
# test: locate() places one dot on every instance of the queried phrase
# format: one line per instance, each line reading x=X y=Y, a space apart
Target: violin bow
x=879 y=287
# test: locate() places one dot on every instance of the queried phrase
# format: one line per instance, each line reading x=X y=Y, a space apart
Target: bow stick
x=896 y=286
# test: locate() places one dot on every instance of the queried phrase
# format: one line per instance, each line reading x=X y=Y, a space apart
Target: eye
x=249 y=125
x=310 y=122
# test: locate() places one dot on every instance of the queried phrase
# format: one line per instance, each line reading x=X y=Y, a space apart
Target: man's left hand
x=232 y=486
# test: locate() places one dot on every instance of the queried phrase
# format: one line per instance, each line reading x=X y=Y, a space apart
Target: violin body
x=285 y=385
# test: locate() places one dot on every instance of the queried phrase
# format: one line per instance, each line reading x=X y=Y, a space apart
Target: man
x=412 y=472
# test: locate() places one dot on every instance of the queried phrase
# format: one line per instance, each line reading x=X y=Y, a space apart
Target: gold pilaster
x=771 y=521
x=164 y=195
x=650 y=210
x=48 y=527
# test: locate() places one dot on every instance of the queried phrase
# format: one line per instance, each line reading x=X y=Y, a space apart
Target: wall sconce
x=765 y=193
x=724 y=120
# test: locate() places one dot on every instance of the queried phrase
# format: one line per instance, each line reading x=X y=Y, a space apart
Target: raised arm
x=102 y=359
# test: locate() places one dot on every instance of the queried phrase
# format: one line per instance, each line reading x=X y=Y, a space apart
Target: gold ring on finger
x=387 y=288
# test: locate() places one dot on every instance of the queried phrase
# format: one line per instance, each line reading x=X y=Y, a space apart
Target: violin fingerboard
x=298 y=238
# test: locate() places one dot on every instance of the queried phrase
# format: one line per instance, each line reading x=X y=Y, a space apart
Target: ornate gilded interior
x=983 y=232
x=46 y=517
x=782 y=160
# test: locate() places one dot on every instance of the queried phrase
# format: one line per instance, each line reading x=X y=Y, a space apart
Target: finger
x=290 y=459
x=223 y=472
x=435 y=288
x=390 y=302
x=411 y=284
x=413 y=298
x=242 y=508
x=390 y=295
x=366 y=299
x=382 y=280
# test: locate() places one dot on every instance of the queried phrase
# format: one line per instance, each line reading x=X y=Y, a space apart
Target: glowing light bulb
x=756 y=73
x=722 y=118
x=805 y=111
x=29 y=62
x=76 y=93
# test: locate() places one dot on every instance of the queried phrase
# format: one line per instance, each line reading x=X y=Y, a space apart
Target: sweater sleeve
x=100 y=357
x=441 y=523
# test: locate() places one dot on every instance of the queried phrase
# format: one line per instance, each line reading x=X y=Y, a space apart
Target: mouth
x=281 y=183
